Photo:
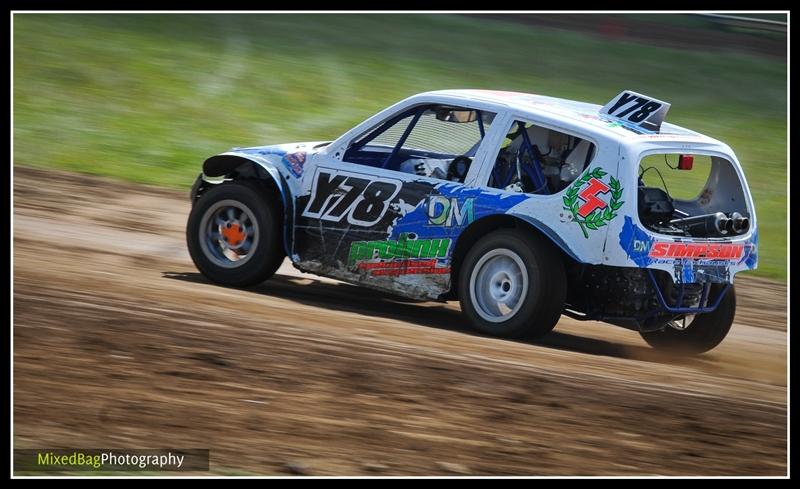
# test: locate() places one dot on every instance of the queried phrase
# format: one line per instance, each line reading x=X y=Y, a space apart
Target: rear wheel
x=512 y=284
x=234 y=235
x=702 y=333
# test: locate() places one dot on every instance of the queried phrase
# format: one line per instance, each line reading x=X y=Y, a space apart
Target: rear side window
x=536 y=159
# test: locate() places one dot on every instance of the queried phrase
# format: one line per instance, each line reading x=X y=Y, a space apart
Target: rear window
x=691 y=195
x=661 y=170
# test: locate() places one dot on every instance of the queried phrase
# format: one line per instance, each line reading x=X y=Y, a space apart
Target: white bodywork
x=619 y=151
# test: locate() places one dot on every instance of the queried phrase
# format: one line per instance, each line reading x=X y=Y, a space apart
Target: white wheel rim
x=221 y=225
x=498 y=285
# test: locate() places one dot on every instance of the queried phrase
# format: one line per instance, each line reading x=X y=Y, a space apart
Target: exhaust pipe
x=708 y=225
x=739 y=223
x=727 y=224
x=745 y=225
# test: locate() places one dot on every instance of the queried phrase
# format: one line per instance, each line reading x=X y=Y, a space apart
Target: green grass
x=148 y=97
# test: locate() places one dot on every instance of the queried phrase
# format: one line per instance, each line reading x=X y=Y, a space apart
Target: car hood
x=308 y=147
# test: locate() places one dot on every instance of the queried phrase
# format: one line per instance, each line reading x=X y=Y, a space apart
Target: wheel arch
x=485 y=225
x=230 y=166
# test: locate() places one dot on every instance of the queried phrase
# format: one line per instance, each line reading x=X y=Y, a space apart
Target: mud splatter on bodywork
x=688 y=260
x=421 y=212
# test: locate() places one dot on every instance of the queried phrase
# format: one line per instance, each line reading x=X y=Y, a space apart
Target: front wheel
x=703 y=333
x=512 y=284
x=234 y=234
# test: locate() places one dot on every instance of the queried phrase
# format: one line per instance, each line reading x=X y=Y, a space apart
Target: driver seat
x=580 y=155
x=539 y=137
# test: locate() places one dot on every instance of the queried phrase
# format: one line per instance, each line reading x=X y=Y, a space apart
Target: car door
x=385 y=214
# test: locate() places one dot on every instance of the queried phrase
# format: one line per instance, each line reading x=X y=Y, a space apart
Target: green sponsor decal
x=589 y=210
x=403 y=248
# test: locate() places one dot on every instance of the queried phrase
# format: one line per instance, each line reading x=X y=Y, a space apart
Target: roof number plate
x=646 y=112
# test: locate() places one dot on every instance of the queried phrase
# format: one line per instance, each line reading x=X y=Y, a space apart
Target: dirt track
x=119 y=342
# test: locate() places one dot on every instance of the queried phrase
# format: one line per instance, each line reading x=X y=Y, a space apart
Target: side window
x=389 y=138
x=535 y=159
x=431 y=140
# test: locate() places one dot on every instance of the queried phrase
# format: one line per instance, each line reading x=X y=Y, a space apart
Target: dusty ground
x=119 y=342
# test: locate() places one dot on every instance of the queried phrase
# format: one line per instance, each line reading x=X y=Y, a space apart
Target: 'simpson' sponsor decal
x=697 y=251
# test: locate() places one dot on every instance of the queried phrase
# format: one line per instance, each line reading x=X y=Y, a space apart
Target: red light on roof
x=685 y=162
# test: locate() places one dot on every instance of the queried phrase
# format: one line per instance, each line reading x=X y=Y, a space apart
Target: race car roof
x=580 y=111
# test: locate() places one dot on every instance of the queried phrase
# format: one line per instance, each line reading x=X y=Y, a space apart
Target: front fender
x=234 y=165
x=224 y=164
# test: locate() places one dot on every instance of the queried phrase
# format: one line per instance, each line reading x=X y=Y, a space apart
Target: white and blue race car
x=523 y=207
